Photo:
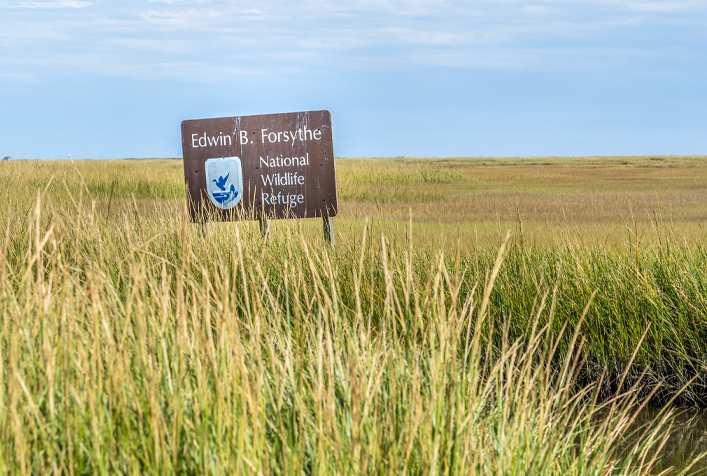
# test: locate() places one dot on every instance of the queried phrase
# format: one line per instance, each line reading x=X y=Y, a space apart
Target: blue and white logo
x=224 y=181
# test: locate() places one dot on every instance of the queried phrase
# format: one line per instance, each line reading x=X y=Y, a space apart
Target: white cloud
x=654 y=6
x=47 y=5
x=276 y=36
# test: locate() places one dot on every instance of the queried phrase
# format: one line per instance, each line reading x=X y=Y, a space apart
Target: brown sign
x=274 y=166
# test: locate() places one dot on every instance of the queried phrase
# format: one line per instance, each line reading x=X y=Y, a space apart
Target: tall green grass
x=139 y=343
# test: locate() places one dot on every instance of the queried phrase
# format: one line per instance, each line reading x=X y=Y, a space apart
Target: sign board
x=254 y=167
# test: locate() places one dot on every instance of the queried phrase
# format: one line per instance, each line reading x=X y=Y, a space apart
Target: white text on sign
x=267 y=136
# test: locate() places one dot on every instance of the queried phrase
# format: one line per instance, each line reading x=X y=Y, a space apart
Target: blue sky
x=99 y=79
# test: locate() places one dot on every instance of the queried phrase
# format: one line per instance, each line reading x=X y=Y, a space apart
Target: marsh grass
x=402 y=174
x=132 y=341
x=549 y=200
x=392 y=195
x=127 y=351
x=556 y=198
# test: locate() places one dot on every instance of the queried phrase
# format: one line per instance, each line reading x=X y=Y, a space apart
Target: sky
x=419 y=78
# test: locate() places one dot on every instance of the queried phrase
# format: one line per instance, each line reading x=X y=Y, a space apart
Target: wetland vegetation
x=430 y=340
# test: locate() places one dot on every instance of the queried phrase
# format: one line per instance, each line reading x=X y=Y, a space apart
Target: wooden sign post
x=260 y=168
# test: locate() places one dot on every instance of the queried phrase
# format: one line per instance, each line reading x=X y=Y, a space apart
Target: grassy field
x=592 y=198
x=428 y=341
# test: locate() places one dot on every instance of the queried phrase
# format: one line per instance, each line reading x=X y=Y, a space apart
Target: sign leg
x=329 y=230
x=265 y=228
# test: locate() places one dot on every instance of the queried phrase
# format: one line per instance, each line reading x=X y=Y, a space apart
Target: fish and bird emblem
x=224 y=178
